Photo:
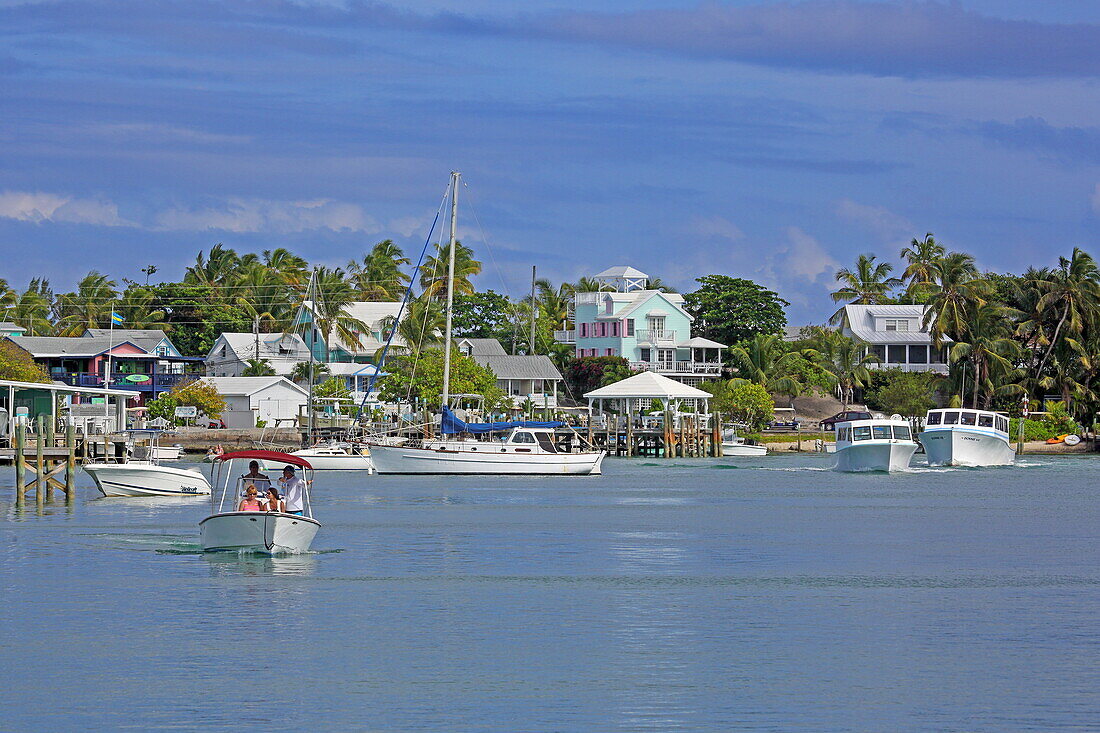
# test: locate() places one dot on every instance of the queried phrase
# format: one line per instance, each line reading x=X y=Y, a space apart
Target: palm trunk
x=1053 y=341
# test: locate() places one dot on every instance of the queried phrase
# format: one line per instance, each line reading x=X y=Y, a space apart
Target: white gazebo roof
x=647 y=385
x=623 y=272
x=701 y=343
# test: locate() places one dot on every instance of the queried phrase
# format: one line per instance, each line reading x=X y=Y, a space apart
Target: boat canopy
x=264 y=455
x=451 y=424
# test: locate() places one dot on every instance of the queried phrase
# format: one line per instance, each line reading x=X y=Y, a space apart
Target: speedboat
x=261 y=532
x=168 y=452
x=734 y=445
x=957 y=437
x=143 y=476
x=874 y=445
x=331 y=457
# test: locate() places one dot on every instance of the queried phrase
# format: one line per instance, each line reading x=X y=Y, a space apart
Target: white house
x=896 y=335
x=376 y=315
x=533 y=377
x=250 y=399
x=231 y=352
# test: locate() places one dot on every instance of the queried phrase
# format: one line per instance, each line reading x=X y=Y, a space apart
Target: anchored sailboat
x=527 y=447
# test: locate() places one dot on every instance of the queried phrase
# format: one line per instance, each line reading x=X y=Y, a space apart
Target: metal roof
x=520 y=367
x=248 y=386
x=72 y=346
x=483 y=347
x=648 y=385
x=622 y=271
x=62 y=387
x=859 y=322
x=701 y=343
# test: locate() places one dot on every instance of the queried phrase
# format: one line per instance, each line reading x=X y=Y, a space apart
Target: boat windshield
x=545 y=443
x=861 y=433
x=968 y=418
x=985 y=421
x=901 y=432
x=1002 y=423
x=934 y=418
x=523 y=437
x=844 y=434
x=950 y=418
x=882 y=432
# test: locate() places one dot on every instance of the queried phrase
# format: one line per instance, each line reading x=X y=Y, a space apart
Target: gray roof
x=623 y=271
x=9 y=326
x=520 y=367
x=859 y=322
x=56 y=346
x=126 y=334
x=483 y=347
x=236 y=386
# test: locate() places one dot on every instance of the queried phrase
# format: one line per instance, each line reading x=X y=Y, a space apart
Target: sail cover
x=451 y=424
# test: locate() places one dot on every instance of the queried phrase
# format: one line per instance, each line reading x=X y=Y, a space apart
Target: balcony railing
x=565 y=337
x=933 y=367
x=699 y=368
x=653 y=336
x=119 y=380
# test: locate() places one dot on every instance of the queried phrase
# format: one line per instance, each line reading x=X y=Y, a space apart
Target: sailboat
x=526 y=447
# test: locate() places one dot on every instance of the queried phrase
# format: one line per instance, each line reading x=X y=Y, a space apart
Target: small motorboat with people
x=333 y=456
x=874 y=445
x=142 y=475
x=735 y=445
x=255 y=515
x=960 y=437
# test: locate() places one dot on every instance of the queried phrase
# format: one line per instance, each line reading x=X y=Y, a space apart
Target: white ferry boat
x=959 y=437
x=874 y=445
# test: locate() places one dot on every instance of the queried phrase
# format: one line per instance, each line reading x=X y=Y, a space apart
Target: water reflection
x=232 y=563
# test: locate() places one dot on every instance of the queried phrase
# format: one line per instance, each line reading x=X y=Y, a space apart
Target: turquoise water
x=767 y=594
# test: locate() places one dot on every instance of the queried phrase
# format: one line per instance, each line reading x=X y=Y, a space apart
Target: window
x=878 y=350
x=895 y=354
x=645 y=354
x=162 y=350
x=934 y=418
x=896 y=324
x=609 y=352
x=918 y=354
x=656 y=326
x=950 y=418
x=608 y=306
x=584 y=330
x=523 y=438
x=969 y=418
x=901 y=432
x=1002 y=424
x=861 y=433
x=985 y=421
x=882 y=432
x=629 y=326
x=615 y=328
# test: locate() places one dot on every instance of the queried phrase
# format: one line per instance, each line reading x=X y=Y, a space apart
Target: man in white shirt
x=293 y=489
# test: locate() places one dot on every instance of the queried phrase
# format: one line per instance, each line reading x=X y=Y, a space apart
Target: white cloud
x=165 y=133
x=806 y=258
x=42 y=207
x=281 y=217
x=878 y=219
x=715 y=226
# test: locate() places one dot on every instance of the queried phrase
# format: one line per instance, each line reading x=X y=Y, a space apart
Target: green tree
x=32 y=308
x=18 y=365
x=164 y=408
x=433 y=274
x=587 y=373
x=921 y=257
x=483 y=315
x=89 y=307
x=897 y=391
x=868 y=284
x=422 y=324
x=379 y=276
x=332 y=389
x=258 y=368
x=420 y=377
x=844 y=361
x=329 y=311
x=730 y=310
x=991 y=351
x=752 y=405
x=301 y=371
x=954 y=295
x=765 y=360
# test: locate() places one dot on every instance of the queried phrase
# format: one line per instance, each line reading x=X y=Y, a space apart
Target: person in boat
x=294 y=489
x=261 y=480
x=251 y=500
x=275 y=503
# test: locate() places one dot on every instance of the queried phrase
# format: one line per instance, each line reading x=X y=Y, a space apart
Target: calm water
x=683 y=595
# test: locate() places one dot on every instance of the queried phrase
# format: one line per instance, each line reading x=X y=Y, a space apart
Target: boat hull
x=959 y=447
x=871 y=456
x=144 y=479
x=351 y=462
x=401 y=460
x=258 y=532
x=167 y=452
x=740 y=449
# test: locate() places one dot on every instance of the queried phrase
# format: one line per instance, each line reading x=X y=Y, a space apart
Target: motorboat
x=525 y=448
x=260 y=532
x=874 y=445
x=958 y=437
x=142 y=475
x=332 y=457
x=168 y=452
x=734 y=445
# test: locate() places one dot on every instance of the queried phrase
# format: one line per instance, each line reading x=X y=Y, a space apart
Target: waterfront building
x=7 y=328
x=896 y=335
x=649 y=328
x=522 y=377
x=379 y=318
x=251 y=401
x=231 y=352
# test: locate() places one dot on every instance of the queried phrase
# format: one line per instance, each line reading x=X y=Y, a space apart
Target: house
x=896 y=335
x=357 y=378
x=7 y=328
x=524 y=378
x=378 y=316
x=231 y=352
x=649 y=328
x=252 y=400
x=142 y=361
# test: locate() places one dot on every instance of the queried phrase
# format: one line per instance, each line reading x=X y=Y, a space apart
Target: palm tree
x=433 y=275
x=32 y=308
x=765 y=360
x=264 y=294
x=988 y=346
x=654 y=283
x=214 y=271
x=1073 y=293
x=421 y=325
x=554 y=302
x=333 y=295
x=138 y=310
x=290 y=268
x=868 y=284
x=258 y=368
x=590 y=285
x=379 y=277
x=301 y=371
x=921 y=257
x=89 y=307
x=844 y=361
x=955 y=294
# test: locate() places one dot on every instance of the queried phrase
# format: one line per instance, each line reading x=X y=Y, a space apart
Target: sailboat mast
x=450 y=290
x=311 y=298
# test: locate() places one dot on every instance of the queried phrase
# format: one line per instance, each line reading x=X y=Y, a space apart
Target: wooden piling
x=20 y=462
x=70 y=462
x=40 y=462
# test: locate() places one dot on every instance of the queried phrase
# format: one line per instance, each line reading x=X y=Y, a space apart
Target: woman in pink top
x=250 y=502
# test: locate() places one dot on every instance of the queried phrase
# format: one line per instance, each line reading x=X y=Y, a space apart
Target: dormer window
x=895 y=324
x=608 y=306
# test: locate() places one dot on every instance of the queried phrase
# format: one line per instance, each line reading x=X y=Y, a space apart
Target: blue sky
x=769 y=140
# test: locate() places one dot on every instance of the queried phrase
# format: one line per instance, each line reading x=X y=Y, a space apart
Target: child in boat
x=251 y=501
x=274 y=502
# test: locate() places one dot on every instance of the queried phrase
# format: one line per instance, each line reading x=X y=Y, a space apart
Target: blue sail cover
x=452 y=424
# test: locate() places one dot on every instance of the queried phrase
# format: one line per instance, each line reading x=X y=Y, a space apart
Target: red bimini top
x=265 y=455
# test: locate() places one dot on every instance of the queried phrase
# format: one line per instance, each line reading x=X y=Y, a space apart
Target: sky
x=769 y=140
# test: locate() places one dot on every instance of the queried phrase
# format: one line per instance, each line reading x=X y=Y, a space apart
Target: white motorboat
x=167 y=452
x=263 y=532
x=874 y=445
x=334 y=457
x=525 y=450
x=143 y=476
x=734 y=445
x=958 y=437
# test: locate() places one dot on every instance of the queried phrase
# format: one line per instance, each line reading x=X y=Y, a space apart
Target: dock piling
x=20 y=462
x=40 y=462
x=70 y=462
